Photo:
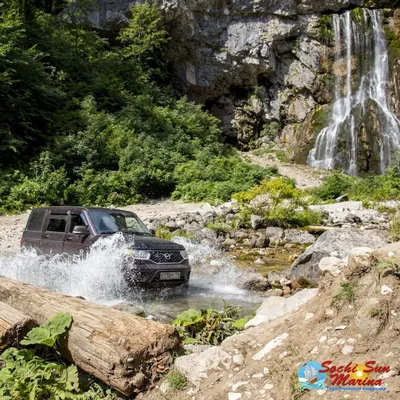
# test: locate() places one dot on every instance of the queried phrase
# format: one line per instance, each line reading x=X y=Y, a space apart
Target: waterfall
x=363 y=133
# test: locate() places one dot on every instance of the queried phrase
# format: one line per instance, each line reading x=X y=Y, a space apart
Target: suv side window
x=36 y=220
x=57 y=223
x=76 y=220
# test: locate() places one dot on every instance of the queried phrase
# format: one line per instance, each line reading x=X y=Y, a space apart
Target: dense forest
x=87 y=119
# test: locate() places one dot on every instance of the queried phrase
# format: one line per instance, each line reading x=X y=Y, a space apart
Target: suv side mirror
x=152 y=231
x=80 y=230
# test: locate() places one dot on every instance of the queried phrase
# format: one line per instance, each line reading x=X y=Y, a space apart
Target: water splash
x=356 y=89
x=98 y=277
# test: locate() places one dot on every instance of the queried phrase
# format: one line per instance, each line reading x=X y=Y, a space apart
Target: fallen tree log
x=14 y=325
x=124 y=351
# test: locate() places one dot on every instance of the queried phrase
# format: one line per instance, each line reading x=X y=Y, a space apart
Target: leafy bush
x=372 y=188
x=209 y=326
x=216 y=178
x=28 y=376
x=333 y=186
x=280 y=203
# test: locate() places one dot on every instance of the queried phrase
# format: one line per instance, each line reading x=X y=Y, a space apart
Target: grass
x=347 y=294
x=176 y=379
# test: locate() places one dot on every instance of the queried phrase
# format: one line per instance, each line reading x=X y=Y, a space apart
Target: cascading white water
x=361 y=89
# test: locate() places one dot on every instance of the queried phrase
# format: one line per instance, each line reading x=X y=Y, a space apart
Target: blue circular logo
x=310 y=377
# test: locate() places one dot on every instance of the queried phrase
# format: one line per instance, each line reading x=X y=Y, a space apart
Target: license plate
x=168 y=276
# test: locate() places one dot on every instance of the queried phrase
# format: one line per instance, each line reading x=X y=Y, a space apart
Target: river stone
x=196 y=366
x=298 y=237
x=274 y=232
x=257 y=221
x=340 y=241
x=262 y=242
x=360 y=260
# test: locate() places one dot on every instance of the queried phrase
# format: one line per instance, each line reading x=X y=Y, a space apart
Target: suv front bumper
x=148 y=274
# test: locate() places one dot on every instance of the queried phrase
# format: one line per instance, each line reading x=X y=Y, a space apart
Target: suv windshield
x=117 y=221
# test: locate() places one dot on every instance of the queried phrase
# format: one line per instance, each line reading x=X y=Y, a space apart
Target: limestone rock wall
x=263 y=67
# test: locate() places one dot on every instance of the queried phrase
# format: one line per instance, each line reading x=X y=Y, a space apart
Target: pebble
x=238 y=359
x=340 y=328
x=351 y=341
x=283 y=354
x=259 y=261
x=341 y=341
x=268 y=386
x=234 y=396
x=314 y=350
x=347 y=350
x=266 y=370
x=309 y=316
x=386 y=290
x=331 y=341
x=258 y=376
x=323 y=339
x=237 y=385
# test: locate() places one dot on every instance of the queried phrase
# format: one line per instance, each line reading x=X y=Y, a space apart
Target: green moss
x=326 y=31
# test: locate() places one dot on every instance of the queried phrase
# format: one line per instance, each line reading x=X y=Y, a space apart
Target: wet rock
x=339 y=240
x=275 y=277
x=274 y=232
x=273 y=292
x=130 y=308
x=257 y=221
x=254 y=281
x=216 y=263
x=298 y=237
x=262 y=242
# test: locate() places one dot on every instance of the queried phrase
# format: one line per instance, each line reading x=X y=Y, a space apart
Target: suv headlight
x=184 y=254
x=141 y=254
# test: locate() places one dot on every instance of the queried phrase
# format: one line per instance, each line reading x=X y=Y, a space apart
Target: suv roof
x=68 y=208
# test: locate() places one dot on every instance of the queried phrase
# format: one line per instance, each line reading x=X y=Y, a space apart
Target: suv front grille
x=165 y=257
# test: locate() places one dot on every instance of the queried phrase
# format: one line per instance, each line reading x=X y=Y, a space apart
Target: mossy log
x=124 y=351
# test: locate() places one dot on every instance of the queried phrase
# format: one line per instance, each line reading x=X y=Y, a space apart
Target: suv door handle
x=69 y=238
x=46 y=236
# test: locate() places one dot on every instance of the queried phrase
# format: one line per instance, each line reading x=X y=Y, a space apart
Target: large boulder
x=338 y=243
x=275 y=307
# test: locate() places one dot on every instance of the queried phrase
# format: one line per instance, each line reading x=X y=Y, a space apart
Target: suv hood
x=152 y=243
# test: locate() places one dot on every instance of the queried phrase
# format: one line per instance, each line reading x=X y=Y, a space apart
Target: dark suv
x=72 y=230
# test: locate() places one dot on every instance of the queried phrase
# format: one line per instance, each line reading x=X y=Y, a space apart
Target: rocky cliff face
x=263 y=67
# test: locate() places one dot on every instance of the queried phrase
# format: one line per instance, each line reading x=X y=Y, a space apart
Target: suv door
x=73 y=242
x=54 y=234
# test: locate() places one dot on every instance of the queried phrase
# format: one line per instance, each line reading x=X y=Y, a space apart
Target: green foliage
x=333 y=186
x=395 y=227
x=48 y=333
x=209 y=326
x=176 y=379
x=86 y=120
x=216 y=178
x=284 y=205
x=372 y=188
x=392 y=266
x=28 y=376
x=347 y=294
